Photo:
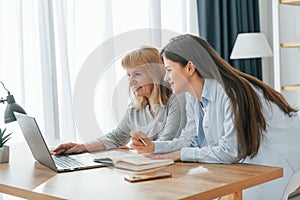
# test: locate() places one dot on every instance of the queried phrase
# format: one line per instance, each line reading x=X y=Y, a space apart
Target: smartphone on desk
x=146 y=177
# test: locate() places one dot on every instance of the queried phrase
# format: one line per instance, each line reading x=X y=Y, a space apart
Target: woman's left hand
x=175 y=155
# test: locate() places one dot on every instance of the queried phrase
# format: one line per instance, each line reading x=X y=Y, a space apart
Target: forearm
x=209 y=154
x=170 y=146
x=115 y=138
x=94 y=146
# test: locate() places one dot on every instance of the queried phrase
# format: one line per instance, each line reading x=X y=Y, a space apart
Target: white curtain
x=44 y=44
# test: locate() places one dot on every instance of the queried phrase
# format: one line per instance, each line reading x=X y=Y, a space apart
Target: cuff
x=188 y=154
x=159 y=147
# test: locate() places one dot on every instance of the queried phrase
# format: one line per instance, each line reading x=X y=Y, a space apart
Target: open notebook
x=130 y=160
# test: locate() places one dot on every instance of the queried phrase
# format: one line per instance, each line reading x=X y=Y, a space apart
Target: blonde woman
x=154 y=111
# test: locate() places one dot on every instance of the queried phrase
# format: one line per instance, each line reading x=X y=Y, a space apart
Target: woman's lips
x=137 y=88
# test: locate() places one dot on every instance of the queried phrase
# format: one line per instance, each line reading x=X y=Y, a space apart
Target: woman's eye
x=168 y=69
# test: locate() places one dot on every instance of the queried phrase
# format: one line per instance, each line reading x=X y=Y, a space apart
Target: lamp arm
x=3 y=100
x=5 y=89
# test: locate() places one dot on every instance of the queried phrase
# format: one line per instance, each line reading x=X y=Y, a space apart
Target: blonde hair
x=149 y=58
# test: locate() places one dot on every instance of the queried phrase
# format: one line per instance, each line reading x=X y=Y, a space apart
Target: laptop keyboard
x=66 y=161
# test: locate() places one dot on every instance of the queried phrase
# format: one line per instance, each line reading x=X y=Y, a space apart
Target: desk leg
x=233 y=196
x=238 y=195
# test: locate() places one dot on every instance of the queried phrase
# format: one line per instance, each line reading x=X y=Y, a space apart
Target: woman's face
x=140 y=81
x=176 y=76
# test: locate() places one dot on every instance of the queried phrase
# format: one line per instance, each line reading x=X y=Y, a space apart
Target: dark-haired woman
x=235 y=117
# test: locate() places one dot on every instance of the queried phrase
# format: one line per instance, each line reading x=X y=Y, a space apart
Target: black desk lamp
x=11 y=107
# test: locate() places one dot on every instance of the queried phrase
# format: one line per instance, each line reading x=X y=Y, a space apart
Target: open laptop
x=40 y=151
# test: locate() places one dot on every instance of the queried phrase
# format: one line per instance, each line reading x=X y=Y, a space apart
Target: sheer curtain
x=44 y=45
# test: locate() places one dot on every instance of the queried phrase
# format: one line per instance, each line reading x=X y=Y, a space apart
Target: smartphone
x=146 y=177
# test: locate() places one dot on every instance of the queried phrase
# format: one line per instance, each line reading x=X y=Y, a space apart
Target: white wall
x=290 y=57
x=289 y=31
x=265 y=11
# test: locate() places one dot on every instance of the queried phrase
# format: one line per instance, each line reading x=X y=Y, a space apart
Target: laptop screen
x=35 y=140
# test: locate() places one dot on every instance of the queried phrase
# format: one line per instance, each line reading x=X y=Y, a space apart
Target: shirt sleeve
x=118 y=137
x=175 y=118
x=186 y=136
x=225 y=149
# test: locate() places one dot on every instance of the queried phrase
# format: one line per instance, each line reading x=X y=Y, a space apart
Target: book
x=130 y=160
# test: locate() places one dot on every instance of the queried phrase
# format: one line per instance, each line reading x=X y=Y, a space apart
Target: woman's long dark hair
x=247 y=107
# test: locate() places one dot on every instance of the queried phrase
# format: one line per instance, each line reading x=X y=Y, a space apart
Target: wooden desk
x=22 y=174
x=25 y=178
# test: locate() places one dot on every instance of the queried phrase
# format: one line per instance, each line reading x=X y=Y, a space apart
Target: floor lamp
x=251 y=45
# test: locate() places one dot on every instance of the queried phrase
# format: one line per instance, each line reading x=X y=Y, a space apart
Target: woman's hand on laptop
x=68 y=148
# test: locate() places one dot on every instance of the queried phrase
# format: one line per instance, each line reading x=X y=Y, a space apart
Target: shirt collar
x=209 y=91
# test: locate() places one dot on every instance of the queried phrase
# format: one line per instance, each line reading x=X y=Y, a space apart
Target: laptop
x=40 y=151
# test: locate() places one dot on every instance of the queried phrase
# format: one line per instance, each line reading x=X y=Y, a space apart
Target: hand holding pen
x=141 y=143
x=142 y=140
x=139 y=137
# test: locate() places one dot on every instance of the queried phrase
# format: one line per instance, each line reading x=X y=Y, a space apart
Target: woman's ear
x=190 y=67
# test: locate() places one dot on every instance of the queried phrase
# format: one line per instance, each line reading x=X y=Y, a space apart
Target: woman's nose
x=132 y=81
x=166 y=78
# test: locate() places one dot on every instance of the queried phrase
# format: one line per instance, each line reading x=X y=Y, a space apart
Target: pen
x=140 y=138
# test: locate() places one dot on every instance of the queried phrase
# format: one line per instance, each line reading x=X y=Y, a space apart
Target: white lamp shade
x=251 y=45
